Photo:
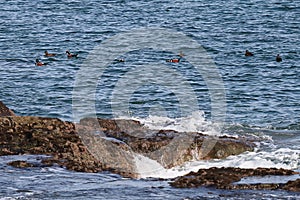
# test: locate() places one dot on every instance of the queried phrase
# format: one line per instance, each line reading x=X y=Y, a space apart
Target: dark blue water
x=259 y=91
x=262 y=96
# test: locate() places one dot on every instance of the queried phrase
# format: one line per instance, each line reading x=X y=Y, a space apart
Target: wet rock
x=226 y=178
x=20 y=164
x=293 y=186
x=113 y=154
x=31 y=135
x=168 y=147
x=5 y=111
x=95 y=145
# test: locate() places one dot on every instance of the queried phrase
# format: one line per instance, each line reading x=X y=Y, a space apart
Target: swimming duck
x=176 y=60
x=248 y=53
x=49 y=54
x=39 y=63
x=70 y=55
x=278 y=58
x=120 y=60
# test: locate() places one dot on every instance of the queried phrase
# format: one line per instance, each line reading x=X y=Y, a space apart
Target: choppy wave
x=281 y=158
x=195 y=122
x=262 y=95
x=271 y=150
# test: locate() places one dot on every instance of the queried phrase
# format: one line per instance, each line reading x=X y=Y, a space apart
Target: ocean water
x=253 y=96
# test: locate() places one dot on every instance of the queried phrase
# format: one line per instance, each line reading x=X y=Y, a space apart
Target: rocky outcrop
x=293 y=186
x=21 y=164
x=5 y=111
x=95 y=145
x=168 y=147
x=36 y=135
x=227 y=178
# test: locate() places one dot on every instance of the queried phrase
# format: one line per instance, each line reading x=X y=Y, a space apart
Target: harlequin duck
x=39 y=63
x=248 y=53
x=71 y=55
x=49 y=54
x=278 y=58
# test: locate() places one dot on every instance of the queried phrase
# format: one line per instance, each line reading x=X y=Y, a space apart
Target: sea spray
x=195 y=122
x=278 y=159
x=266 y=154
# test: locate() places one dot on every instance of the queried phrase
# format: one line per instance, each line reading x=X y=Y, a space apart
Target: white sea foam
x=196 y=122
x=266 y=154
x=281 y=158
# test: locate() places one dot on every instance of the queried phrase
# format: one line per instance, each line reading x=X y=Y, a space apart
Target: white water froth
x=281 y=158
x=196 y=122
x=266 y=154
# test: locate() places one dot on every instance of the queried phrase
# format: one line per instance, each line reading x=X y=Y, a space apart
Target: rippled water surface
x=262 y=96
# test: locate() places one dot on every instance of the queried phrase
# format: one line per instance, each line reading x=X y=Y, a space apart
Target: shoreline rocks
x=5 y=111
x=111 y=146
x=96 y=145
x=167 y=147
x=37 y=135
x=227 y=178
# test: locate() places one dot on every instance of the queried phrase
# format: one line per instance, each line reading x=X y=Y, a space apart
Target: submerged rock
x=20 y=164
x=227 y=178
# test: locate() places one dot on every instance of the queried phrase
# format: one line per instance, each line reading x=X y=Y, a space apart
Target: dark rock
x=33 y=135
x=293 y=186
x=20 y=164
x=257 y=186
x=95 y=145
x=5 y=111
x=168 y=147
x=225 y=178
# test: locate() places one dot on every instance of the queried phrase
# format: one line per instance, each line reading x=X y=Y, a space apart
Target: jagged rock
x=101 y=144
x=225 y=178
x=116 y=156
x=36 y=135
x=95 y=145
x=5 y=111
x=49 y=136
x=293 y=186
x=20 y=164
x=168 y=147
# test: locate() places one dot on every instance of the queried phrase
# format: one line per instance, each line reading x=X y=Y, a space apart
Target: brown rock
x=20 y=164
x=168 y=147
x=225 y=178
x=102 y=144
x=5 y=111
x=31 y=135
x=293 y=186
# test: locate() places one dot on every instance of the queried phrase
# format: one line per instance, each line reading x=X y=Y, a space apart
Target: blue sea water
x=262 y=95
